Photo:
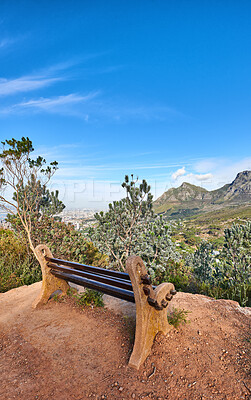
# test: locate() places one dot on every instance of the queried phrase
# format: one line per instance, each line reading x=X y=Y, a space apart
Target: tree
x=204 y=262
x=27 y=178
x=227 y=274
x=236 y=255
x=131 y=227
x=41 y=200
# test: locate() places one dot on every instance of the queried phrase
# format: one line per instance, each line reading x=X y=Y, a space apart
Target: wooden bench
x=134 y=286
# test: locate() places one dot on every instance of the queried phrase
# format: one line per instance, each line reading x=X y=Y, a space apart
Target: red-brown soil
x=61 y=352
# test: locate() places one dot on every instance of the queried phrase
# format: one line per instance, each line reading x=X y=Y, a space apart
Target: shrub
x=18 y=265
x=14 y=275
x=227 y=275
x=177 y=273
x=177 y=317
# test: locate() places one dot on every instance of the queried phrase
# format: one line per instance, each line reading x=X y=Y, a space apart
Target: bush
x=227 y=275
x=64 y=241
x=14 y=275
x=18 y=266
x=177 y=273
x=13 y=249
x=177 y=317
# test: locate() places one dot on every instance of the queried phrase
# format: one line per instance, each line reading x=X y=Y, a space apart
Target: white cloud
x=179 y=172
x=203 y=178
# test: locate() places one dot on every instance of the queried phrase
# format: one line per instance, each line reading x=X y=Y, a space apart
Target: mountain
x=188 y=199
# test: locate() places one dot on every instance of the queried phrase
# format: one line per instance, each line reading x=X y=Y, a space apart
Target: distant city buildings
x=79 y=218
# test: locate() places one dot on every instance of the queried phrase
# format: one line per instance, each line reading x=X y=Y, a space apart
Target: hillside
x=61 y=352
x=189 y=200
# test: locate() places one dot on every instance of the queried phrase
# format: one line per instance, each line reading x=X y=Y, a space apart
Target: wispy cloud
x=24 y=84
x=43 y=78
x=57 y=105
x=118 y=110
x=54 y=103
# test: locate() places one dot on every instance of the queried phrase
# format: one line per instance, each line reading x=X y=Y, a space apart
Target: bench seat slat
x=100 y=278
x=99 y=286
x=89 y=268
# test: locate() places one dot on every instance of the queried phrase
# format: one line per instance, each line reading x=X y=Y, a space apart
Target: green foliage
x=204 y=262
x=88 y=298
x=177 y=317
x=227 y=275
x=191 y=238
x=66 y=242
x=13 y=249
x=217 y=242
x=12 y=276
x=27 y=178
x=17 y=267
x=116 y=231
x=131 y=227
x=178 y=273
x=153 y=243
x=41 y=201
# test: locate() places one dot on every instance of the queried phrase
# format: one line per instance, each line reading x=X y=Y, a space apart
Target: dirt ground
x=62 y=352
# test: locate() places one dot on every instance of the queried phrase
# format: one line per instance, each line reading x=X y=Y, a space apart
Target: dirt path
x=61 y=352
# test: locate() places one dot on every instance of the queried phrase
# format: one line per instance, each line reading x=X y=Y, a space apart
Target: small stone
x=199 y=333
x=133 y=395
x=121 y=389
x=116 y=384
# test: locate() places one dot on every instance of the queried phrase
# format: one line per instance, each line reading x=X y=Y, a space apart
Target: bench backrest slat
x=89 y=268
x=99 y=278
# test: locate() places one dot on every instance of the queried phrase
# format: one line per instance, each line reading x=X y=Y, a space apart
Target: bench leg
x=149 y=320
x=50 y=283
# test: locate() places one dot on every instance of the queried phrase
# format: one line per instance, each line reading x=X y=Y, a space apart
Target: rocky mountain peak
x=192 y=197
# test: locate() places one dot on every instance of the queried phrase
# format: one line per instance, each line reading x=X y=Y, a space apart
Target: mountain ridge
x=189 y=199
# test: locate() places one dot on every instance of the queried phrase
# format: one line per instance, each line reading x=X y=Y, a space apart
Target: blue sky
x=161 y=89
